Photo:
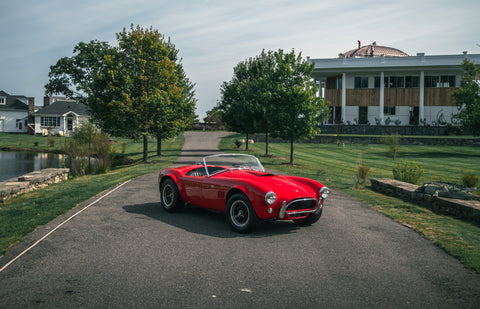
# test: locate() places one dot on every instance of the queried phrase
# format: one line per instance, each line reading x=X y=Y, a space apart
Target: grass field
x=336 y=166
x=20 y=215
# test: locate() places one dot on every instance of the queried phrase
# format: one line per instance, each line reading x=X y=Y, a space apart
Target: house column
x=421 y=109
x=344 y=97
x=382 y=96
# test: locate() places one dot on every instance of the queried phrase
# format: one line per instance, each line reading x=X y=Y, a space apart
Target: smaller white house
x=13 y=113
x=60 y=118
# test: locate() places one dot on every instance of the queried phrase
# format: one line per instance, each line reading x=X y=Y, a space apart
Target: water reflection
x=14 y=164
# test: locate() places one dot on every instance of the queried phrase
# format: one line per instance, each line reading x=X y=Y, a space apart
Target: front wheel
x=170 y=197
x=311 y=219
x=240 y=213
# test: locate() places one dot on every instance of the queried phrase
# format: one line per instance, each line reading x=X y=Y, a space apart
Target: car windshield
x=220 y=163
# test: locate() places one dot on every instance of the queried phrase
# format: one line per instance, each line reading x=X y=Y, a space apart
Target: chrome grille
x=302 y=204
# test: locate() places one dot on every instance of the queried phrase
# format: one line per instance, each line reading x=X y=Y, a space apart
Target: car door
x=214 y=190
x=193 y=189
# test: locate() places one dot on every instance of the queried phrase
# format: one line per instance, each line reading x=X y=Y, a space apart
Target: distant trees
x=275 y=94
x=135 y=90
x=467 y=98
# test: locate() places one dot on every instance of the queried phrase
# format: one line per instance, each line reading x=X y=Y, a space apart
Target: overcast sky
x=213 y=36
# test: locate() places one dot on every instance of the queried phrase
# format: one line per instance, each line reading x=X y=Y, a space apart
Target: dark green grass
x=20 y=215
x=336 y=166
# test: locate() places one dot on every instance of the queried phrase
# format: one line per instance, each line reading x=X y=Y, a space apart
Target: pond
x=14 y=164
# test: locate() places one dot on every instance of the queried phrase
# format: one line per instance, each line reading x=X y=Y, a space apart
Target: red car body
x=213 y=186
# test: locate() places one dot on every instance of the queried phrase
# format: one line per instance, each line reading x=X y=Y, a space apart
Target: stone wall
x=31 y=181
x=468 y=210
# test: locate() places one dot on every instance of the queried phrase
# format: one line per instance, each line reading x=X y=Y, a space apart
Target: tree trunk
x=291 y=151
x=159 y=146
x=266 y=143
x=145 y=148
x=246 y=143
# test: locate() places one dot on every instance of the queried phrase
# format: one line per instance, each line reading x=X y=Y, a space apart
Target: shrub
x=88 y=150
x=393 y=142
x=238 y=143
x=470 y=180
x=51 y=141
x=408 y=172
x=361 y=176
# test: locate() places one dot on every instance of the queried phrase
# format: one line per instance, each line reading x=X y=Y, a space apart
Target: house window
x=50 y=121
x=377 y=81
x=361 y=82
x=3 y=101
x=443 y=81
x=412 y=81
x=19 y=124
x=389 y=110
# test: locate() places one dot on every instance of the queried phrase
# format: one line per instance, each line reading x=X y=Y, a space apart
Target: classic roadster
x=238 y=185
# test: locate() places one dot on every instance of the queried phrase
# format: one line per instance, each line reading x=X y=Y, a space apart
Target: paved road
x=124 y=251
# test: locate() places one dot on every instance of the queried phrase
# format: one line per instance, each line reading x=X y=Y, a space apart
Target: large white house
x=59 y=116
x=375 y=84
x=14 y=111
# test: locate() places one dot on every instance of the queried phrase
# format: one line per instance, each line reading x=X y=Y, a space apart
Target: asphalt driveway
x=121 y=250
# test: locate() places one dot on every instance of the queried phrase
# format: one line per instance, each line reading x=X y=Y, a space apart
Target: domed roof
x=373 y=50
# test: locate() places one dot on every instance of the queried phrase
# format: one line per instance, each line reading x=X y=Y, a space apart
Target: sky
x=213 y=36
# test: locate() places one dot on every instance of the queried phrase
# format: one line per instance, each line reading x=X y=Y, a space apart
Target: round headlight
x=270 y=198
x=324 y=192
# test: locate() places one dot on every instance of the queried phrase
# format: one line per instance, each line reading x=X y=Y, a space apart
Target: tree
x=299 y=110
x=238 y=111
x=247 y=99
x=137 y=89
x=467 y=98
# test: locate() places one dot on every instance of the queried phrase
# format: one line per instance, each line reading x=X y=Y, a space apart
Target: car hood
x=281 y=185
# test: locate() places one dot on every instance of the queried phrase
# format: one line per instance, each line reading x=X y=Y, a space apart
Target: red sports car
x=238 y=185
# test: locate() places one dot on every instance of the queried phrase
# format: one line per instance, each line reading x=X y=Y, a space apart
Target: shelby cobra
x=238 y=185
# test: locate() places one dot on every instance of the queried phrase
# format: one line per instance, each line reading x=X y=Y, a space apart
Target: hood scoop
x=261 y=174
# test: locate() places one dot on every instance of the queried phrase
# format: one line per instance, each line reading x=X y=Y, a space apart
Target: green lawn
x=20 y=215
x=336 y=166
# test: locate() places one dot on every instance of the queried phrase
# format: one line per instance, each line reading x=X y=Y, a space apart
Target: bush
x=470 y=180
x=408 y=172
x=361 y=176
x=88 y=151
x=393 y=142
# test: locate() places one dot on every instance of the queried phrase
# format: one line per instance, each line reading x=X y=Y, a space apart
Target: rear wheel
x=311 y=219
x=170 y=197
x=240 y=213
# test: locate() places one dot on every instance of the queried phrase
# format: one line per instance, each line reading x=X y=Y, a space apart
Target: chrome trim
x=324 y=188
x=283 y=209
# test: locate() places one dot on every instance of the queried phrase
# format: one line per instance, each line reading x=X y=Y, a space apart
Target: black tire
x=170 y=197
x=240 y=213
x=311 y=219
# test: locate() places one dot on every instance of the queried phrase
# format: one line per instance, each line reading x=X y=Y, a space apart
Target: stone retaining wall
x=31 y=181
x=468 y=210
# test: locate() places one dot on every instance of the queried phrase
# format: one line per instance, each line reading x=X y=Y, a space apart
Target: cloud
x=214 y=35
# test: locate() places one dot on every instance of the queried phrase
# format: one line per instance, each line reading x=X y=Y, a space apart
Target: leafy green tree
x=467 y=98
x=238 y=112
x=247 y=100
x=137 y=90
x=299 y=110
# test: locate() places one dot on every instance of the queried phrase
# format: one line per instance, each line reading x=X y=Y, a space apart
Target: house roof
x=12 y=102
x=61 y=108
x=374 y=50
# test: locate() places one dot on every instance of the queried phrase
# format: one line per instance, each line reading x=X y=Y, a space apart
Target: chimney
x=46 y=101
x=31 y=105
